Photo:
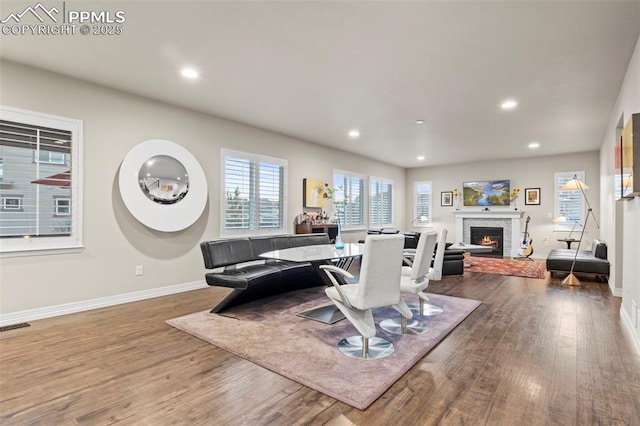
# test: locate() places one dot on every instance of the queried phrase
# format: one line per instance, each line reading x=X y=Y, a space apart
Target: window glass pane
x=422 y=203
x=254 y=193
x=36 y=182
x=380 y=202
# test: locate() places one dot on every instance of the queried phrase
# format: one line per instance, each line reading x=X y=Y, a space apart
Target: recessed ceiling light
x=420 y=157
x=510 y=104
x=534 y=145
x=419 y=121
x=354 y=134
x=189 y=73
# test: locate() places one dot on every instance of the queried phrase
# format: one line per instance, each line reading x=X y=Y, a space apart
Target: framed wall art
x=446 y=198
x=312 y=193
x=532 y=196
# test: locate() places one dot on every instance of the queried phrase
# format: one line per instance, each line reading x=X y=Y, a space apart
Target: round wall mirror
x=163 y=179
x=163 y=185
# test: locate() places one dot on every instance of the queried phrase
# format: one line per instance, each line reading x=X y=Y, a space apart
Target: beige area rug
x=269 y=333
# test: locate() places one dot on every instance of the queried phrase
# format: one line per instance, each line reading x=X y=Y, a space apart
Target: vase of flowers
x=514 y=197
x=339 y=206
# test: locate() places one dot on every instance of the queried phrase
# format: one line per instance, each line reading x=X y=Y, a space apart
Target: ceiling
x=315 y=70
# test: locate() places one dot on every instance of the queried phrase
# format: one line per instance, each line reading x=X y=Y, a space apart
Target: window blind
x=349 y=198
x=422 y=203
x=254 y=193
x=380 y=202
x=568 y=203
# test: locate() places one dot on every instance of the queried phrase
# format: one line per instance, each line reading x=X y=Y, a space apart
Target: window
x=349 y=199
x=253 y=199
x=380 y=202
x=422 y=204
x=62 y=206
x=568 y=203
x=12 y=202
x=41 y=181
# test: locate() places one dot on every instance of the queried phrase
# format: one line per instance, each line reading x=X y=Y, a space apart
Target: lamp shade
x=573 y=185
x=560 y=219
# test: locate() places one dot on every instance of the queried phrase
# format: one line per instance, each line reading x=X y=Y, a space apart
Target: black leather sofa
x=237 y=265
x=453 y=263
x=590 y=262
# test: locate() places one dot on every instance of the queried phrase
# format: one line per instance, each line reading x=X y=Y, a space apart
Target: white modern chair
x=414 y=280
x=378 y=286
x=435 y=274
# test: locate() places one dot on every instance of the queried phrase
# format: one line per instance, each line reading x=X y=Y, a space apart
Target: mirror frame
x=162 y=217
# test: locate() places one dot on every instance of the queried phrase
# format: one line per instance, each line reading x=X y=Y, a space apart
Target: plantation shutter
x=569 y=203
x=380 y=202
x=422 y=203
x=254 y=193
x=349 y=198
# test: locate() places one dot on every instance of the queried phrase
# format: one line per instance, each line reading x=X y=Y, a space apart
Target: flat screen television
x=486 y=193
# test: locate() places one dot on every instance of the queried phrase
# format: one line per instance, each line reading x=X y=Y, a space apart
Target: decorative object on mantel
x=573 y=185
x=312 y=193
x=515 y=193
x=532 y=196
x=446 y=198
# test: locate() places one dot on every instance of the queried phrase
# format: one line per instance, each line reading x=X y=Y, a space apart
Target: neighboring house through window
x=41 y=181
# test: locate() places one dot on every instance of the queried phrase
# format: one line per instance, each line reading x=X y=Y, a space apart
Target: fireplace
x=488 y=236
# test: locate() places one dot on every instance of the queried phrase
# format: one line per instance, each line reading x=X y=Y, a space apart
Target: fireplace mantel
x=503 y=217
x=497 y=214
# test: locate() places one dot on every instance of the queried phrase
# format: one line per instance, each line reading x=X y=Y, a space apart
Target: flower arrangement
x=515 y=192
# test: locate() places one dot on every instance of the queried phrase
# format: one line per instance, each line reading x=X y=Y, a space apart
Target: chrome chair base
x=428 y=310
x=395 y=326
x=362 y=348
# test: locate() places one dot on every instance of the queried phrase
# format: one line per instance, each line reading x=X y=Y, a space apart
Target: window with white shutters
x=568 y=203
x=40 y=183
x=349 y=199
x=422 y=203
x=380 y=202
x=253 y=199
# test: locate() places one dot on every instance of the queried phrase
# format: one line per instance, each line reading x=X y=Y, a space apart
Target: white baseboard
x=630 y=328
x=102 y=302
x=617 y=292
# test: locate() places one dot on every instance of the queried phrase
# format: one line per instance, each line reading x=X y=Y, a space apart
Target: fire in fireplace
x=488 y=236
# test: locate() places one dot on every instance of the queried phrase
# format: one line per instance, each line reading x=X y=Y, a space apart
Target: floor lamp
x=573 y=185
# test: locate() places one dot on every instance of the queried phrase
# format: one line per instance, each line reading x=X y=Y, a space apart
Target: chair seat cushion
x=241 y=277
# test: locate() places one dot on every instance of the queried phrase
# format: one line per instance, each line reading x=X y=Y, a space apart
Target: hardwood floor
x=534 y=352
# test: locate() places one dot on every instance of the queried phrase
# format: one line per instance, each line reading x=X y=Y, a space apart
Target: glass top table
x=317 y=255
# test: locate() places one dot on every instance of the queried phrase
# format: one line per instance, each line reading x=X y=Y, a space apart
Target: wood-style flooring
x=534 y=353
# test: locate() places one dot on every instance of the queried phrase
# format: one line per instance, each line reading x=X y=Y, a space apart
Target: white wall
x=534 y=172
x=114 y=241
x=628 y=103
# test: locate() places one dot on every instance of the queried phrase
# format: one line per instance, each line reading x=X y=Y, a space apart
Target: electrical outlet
x=139 y=270
x=545 y=242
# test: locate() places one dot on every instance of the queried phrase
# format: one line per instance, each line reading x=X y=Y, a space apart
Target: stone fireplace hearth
x=508 y=220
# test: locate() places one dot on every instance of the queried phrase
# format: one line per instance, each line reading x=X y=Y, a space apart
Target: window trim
x=283 y=229
x=415 y=219
x=4 y=207
x=12 y=247
x=56 y=206
x=390 y=182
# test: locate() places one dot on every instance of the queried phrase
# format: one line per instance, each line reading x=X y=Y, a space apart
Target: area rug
x=504 y=266
x=269 y=333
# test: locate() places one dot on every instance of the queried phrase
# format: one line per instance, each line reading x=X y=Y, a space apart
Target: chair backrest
x=436 y=271
x=424 y=254
x=380 y=271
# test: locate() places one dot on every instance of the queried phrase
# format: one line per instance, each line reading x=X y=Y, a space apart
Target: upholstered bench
x=237 y=265
x=591 y=262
